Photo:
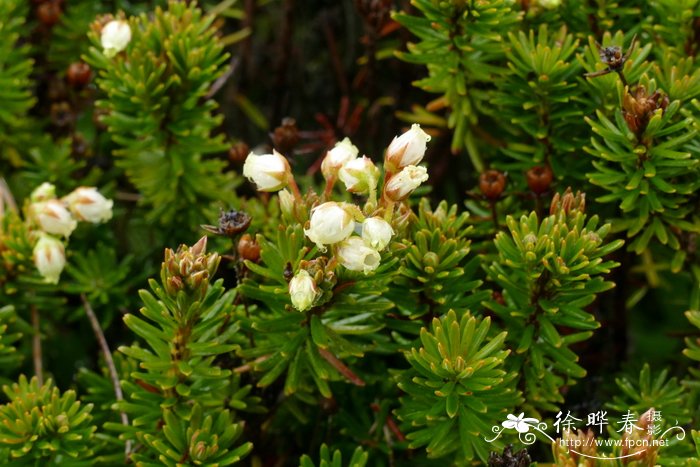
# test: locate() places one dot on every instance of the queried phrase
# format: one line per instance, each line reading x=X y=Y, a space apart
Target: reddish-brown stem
x=340 y=366
x=36 y=347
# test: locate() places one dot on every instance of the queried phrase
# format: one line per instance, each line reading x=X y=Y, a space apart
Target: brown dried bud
x=49 y=13
x=78 y=74
x=509 y=458
x=56 y=90
x=638 y=107
x=612 y=56
x=231 y=223
x=238 y=152
x=248 y=248
x=62 y=114
x=286 y=136
x=539 y=179
x=79 y=145
x=492 y=183
x=568 y=202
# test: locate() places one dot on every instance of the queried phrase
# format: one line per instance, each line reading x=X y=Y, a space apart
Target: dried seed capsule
x=248 y=248
x=78 y=74
x=492 y=183
x=286 y=136
x=539 y=179
x=49 y=13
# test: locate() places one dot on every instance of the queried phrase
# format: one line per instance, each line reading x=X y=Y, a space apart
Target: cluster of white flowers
x=57 y=218
x=357 y=237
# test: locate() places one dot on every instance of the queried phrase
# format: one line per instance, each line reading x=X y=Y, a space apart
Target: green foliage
x=183 y=326
x=550 y=270
x=160 y=115
x=461 y=44
x=458 y=387
x=436 y=269
x=662 y=393
x=310 y=346
x=541 y=98
x=647 y=162
x=40 y=424
x=335 y=459
x=9 y=357
x=195 y=440
x=15 y=84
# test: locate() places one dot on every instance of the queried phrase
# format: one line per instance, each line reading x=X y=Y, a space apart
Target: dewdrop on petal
x=116 y=35
x=356 y=256
x=343 y=152
x=49 y=258
x=403 y=183
x=52 y=217
x=330 y=223
x=88 y=204
x=359 y=175
x=377 y=233
x=269 y=172
x=407 y=149
x=303 y=290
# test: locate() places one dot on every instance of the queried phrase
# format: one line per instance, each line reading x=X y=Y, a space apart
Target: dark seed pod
x=48 y=13
x=286 y=136
x=78 y=74
x=539 y=179
x=492 y=183
x=238 y=152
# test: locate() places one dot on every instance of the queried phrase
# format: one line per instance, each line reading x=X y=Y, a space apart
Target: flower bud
x=286 y=203
x=330 y=223
x=303 y=290
x=116 y=35
x=359 y=175
x=403 y=183
x=377 y=233
x=53 y=217
x=87 y=204
x=270 y=172
x=343 y=152
x=43 y=192
x=407 y=149
x=49 y=258
x=356 y=256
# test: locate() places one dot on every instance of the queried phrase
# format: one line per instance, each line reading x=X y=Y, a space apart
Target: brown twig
x=102 y=341
x=36 y=347
x=340 y=367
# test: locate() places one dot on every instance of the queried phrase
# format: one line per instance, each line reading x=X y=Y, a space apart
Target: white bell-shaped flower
x=355 y=255
x=330 y=223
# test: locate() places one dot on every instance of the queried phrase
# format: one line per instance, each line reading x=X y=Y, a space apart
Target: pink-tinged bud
x=87 y=204
x=407 y=149
x=330 y=223
x=52 y=217
x=303 y=290
x=342 y=153
x=49 y=258
x=403 y=183
x=359 y=175
x=269 y=172
x=43 y=192
x=377 y=233
x=356 y=256
x=116 y=35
